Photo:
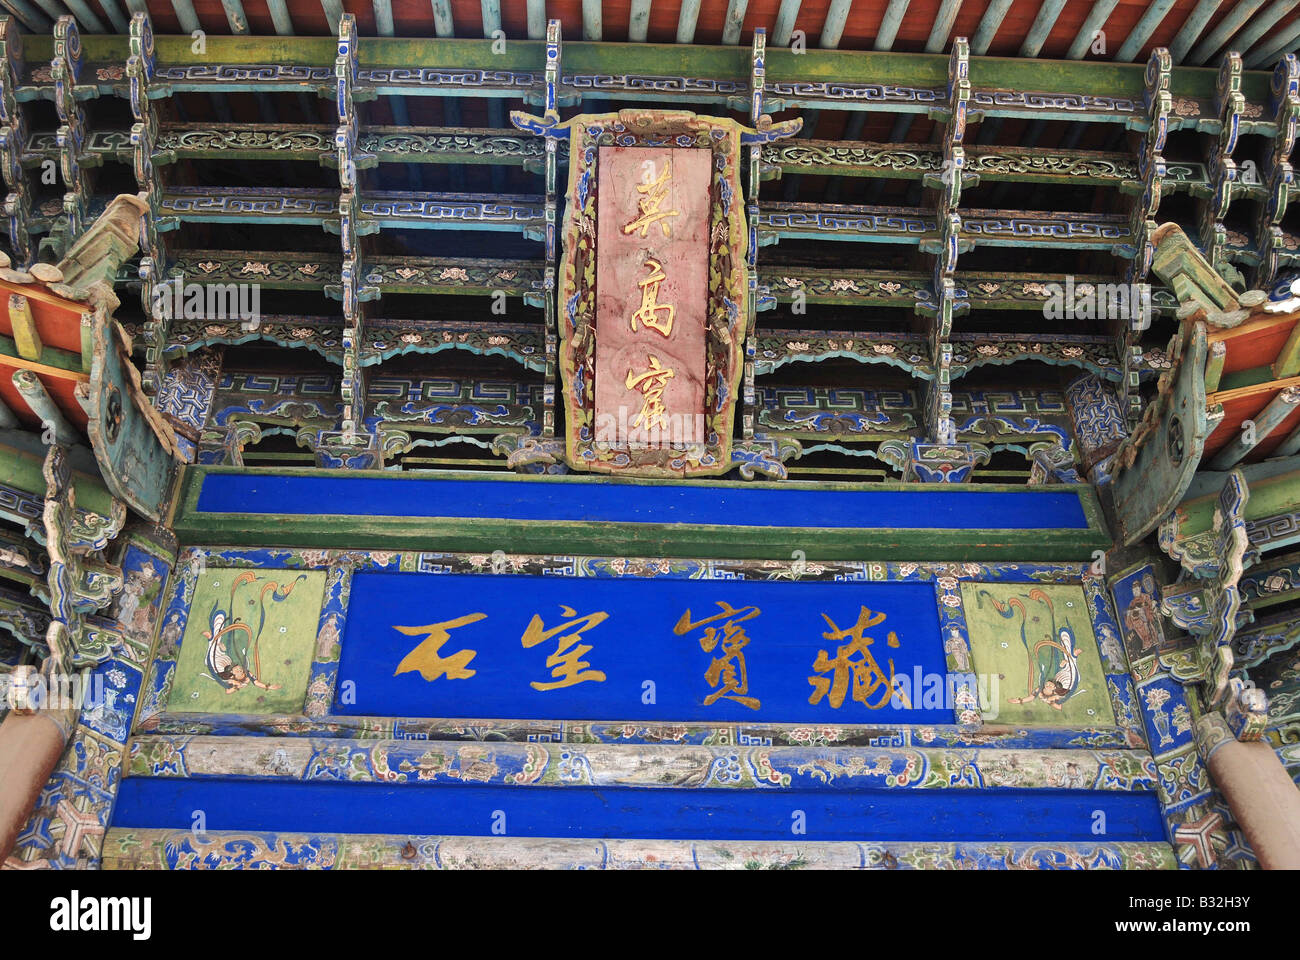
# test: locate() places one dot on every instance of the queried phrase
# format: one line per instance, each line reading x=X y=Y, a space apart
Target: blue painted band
x=549 y=500
x=1062 y=816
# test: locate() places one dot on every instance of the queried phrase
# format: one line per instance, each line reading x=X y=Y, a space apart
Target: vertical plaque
x=652 y=297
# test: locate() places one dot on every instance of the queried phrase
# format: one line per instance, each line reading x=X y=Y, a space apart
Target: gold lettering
x=650 y=384
x=866 y=674
x=426 y=658
x=726 y=674
x=650 y=309
x=566 y=663
x=653 y=194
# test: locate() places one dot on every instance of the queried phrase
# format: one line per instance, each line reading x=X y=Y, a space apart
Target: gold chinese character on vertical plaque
x=653 y=194
x=655 y=315
x=650 y=384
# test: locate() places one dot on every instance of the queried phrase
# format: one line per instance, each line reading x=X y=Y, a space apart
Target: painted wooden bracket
x=13 y=141
x=1223 y=185
x=949 y=300
x=1154 y=466
x=1210 y=608
x=1270 y=243
x=71 y=136
x=153 y=269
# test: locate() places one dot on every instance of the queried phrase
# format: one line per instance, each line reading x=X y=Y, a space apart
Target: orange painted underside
x=58 y=321
x=1247 y=403
x=1255 y=343
x=60 y=385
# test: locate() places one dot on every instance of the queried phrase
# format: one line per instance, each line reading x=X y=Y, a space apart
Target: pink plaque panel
x=652 y=269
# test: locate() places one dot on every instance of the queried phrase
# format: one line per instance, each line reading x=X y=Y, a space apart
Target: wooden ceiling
x=1046 y=28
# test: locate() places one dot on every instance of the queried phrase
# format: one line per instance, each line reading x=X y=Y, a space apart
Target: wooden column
x=1264 y=801
x=30 y=747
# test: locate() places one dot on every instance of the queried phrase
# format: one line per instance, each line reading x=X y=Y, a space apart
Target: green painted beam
x=115 y=16
x=889 y=24
x=785 y=20
x=592 y=24
x=734 y=21
x=491 y=16
x=193 y=526
x=1192 y=28
x=383 y=17
x=1263 y=23
x=1270 y=496
x=1142 y=30
x=22 y=469
x=29 y=16
x=333 y=10
x=85 y=17
x=1285 y=42
x=1227 y=28
x=686 y=20
x=994 y=14
x=7 y=419
x=189 y=20
x=943 y=22
x=536 y=19
x=718 y=62
x=638 y=24
x=1041 y=28
x=1094 y=22
x=443 y=25
x=280 y=18
x=235 y=16
x=836 y=17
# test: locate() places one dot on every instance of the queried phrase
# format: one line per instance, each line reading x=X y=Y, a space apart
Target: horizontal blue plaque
x=619 y=502
x=578 y=648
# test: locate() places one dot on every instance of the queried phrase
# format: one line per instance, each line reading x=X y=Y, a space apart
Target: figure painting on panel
x=1143 y=617
x=1051 y=660
x=1040 y=644
x=234 y=654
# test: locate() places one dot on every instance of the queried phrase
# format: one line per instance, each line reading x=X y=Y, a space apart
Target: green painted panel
x=265 y=633
x=1038 y=643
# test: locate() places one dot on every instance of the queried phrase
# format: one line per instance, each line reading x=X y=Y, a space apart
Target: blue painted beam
x=114 y=13
x=994 y=14
x=536 y=19
x=1143 y=29
x=1094 y=22
x=491 y=16
x=189 y=20
x=1263 y=23
x=137 y=6
x=280 y=17
x=1041 y=28
x=686 y=21
x=592 y=25
x=333 y=13
x=943 y=22
x=443 y=25
x=833 y=28
x=1191 y=29
x=1283 y=43
x=638 y=24
x=734 y=21
x=1227 y=28
x=889 y=24
x=235 y=16
x=785 y=18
